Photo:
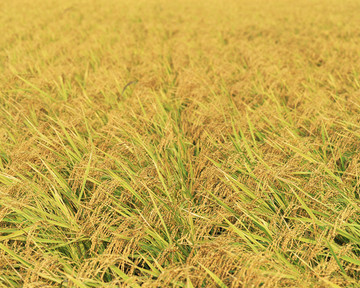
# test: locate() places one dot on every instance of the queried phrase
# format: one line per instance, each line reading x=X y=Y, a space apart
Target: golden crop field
x=160 y=143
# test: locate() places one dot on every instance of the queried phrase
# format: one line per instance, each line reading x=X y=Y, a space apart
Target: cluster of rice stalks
x=179 y=143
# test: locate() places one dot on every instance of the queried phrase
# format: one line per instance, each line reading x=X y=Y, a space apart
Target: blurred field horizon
x=179 y=143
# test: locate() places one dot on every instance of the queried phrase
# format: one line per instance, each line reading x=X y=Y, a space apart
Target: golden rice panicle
x=179 y=143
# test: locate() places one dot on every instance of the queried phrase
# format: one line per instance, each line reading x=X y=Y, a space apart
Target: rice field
x=180 y=143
